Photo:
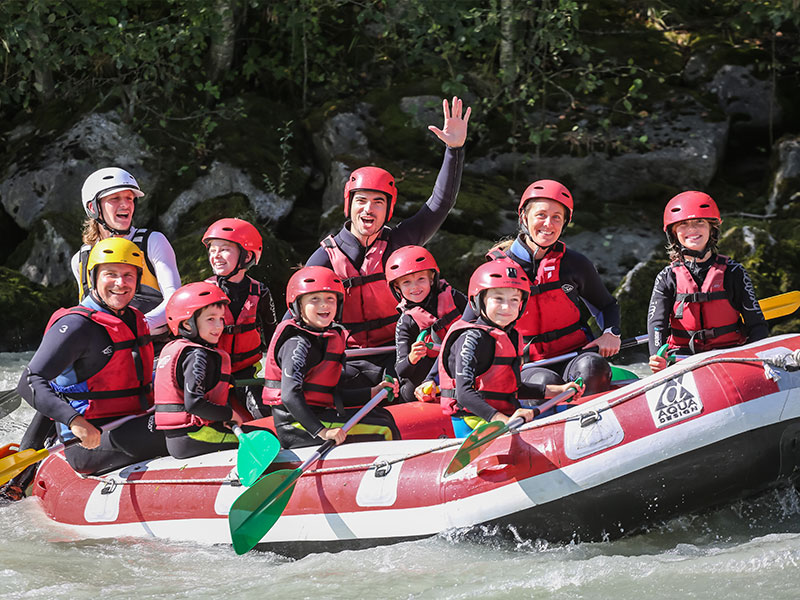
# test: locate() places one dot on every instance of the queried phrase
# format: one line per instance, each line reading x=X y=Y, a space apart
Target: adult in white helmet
x=109 y=198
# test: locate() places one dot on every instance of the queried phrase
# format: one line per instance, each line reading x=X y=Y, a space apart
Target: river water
x=745 y=550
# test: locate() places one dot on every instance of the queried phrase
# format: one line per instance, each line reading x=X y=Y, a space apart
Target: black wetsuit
x=417 y=229
x=296 y=357
x=250 y=395
x=471 y=354
x=406 y=334
x=737 y=285
x=77 y=344
x=197 y=371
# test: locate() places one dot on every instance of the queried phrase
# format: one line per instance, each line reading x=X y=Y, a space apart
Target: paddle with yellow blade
x=15 y=463
x=470 y=448
x=258 y=508
x=780 y=305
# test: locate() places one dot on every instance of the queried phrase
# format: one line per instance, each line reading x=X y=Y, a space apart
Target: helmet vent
x=511 y=271
x=420 y=259
x=676 y=209
x=705 y=206
x=108 y=177
x=203 y=294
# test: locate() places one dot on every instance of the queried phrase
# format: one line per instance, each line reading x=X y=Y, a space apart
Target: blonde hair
x=90 y=232
x=502 y=245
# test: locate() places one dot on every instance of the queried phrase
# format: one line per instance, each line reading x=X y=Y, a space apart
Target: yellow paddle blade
x=780 y=305
x=16 y=463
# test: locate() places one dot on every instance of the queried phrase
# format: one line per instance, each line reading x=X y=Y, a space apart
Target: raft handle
x=109 y=487
x=590 y=418
x=382 y=468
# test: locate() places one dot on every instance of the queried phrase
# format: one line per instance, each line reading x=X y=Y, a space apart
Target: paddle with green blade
x=470 y=448
x=15 y=463
x=257 y=450
x=258 y=508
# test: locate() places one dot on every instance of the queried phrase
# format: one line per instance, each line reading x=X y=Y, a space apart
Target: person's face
x=368 y=212
x=117 y=209
x=116 y=284
x=502 y=305
x=318 y=309
x=693 y=233
x=211 y=323
x=545 y=220
x=223 y=257
x=416 y=286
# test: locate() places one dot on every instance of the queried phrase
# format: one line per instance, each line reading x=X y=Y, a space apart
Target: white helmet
x=105 y=182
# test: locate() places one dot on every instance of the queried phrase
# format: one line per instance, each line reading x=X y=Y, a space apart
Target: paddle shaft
x=318 y=453
x=627 y=343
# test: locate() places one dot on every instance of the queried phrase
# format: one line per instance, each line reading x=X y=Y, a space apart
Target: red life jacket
x=703 y=316
x=498 y=385
x=321 y=380
x=242 y=337
x=370 y=313
x=551 y=324
x=171 y=410
x=124 y=385
x=447 y=313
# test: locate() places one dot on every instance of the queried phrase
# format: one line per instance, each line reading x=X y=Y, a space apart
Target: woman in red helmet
x=233 y=247
x=193 y=377
x=358 y=253
x=702 y=300
x=561 y=280
x=304 y=365
x=479 y=368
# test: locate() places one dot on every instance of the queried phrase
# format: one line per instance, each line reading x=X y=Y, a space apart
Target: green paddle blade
x=254 y=513
x=257 y=450
x=620 y=374
x=470 y=447
x=9 y=402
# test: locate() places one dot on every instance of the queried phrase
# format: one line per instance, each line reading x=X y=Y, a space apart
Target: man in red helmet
x=358 y=253
x=702 y=300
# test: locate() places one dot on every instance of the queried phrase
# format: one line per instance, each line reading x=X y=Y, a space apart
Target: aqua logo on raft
x=674 y=401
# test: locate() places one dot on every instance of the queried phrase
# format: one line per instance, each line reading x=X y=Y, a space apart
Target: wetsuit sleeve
x=201 y=370
x=592 y=290
x=420 y=228
x=72 y=345
x=266 y=315
x=743 y=299
x=472 y=354
x=296 y=357
x=162 y=257
x=658 y=312
x=405 y=333
x=319 y=258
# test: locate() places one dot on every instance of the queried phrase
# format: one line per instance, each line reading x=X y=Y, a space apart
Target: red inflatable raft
x=712 y=428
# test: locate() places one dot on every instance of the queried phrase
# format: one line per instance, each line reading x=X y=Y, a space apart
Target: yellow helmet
x=114 y=251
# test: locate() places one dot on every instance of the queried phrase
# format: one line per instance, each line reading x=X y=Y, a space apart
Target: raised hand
x=454 y=133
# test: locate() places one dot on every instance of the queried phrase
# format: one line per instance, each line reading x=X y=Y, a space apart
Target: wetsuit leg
x=250 y=395
x=542 y=376
x=367 y=372
x=195 y=441
x=593 y=368
x=407 y=388
x=131 y=442
x=377 y=425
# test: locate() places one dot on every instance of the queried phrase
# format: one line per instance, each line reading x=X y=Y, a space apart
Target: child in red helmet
x=304 y=365
x=233 y=247
x=479 y=368
x=702 y=300
x=192 y=379
x=427 y=303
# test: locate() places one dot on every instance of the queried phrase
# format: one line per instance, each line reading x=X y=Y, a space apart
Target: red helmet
x=500 y=273
x=407 y=260
x=239 y=232
x=690 y=205
x=187 y=300
x=551 y=190
x=313 y=279
x=374 y=179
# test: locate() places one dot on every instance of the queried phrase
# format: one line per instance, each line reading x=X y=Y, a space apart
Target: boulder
x=50 y=181
x=748 y=102
x=222 y=180
x=48 y=263
x=786 y=179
